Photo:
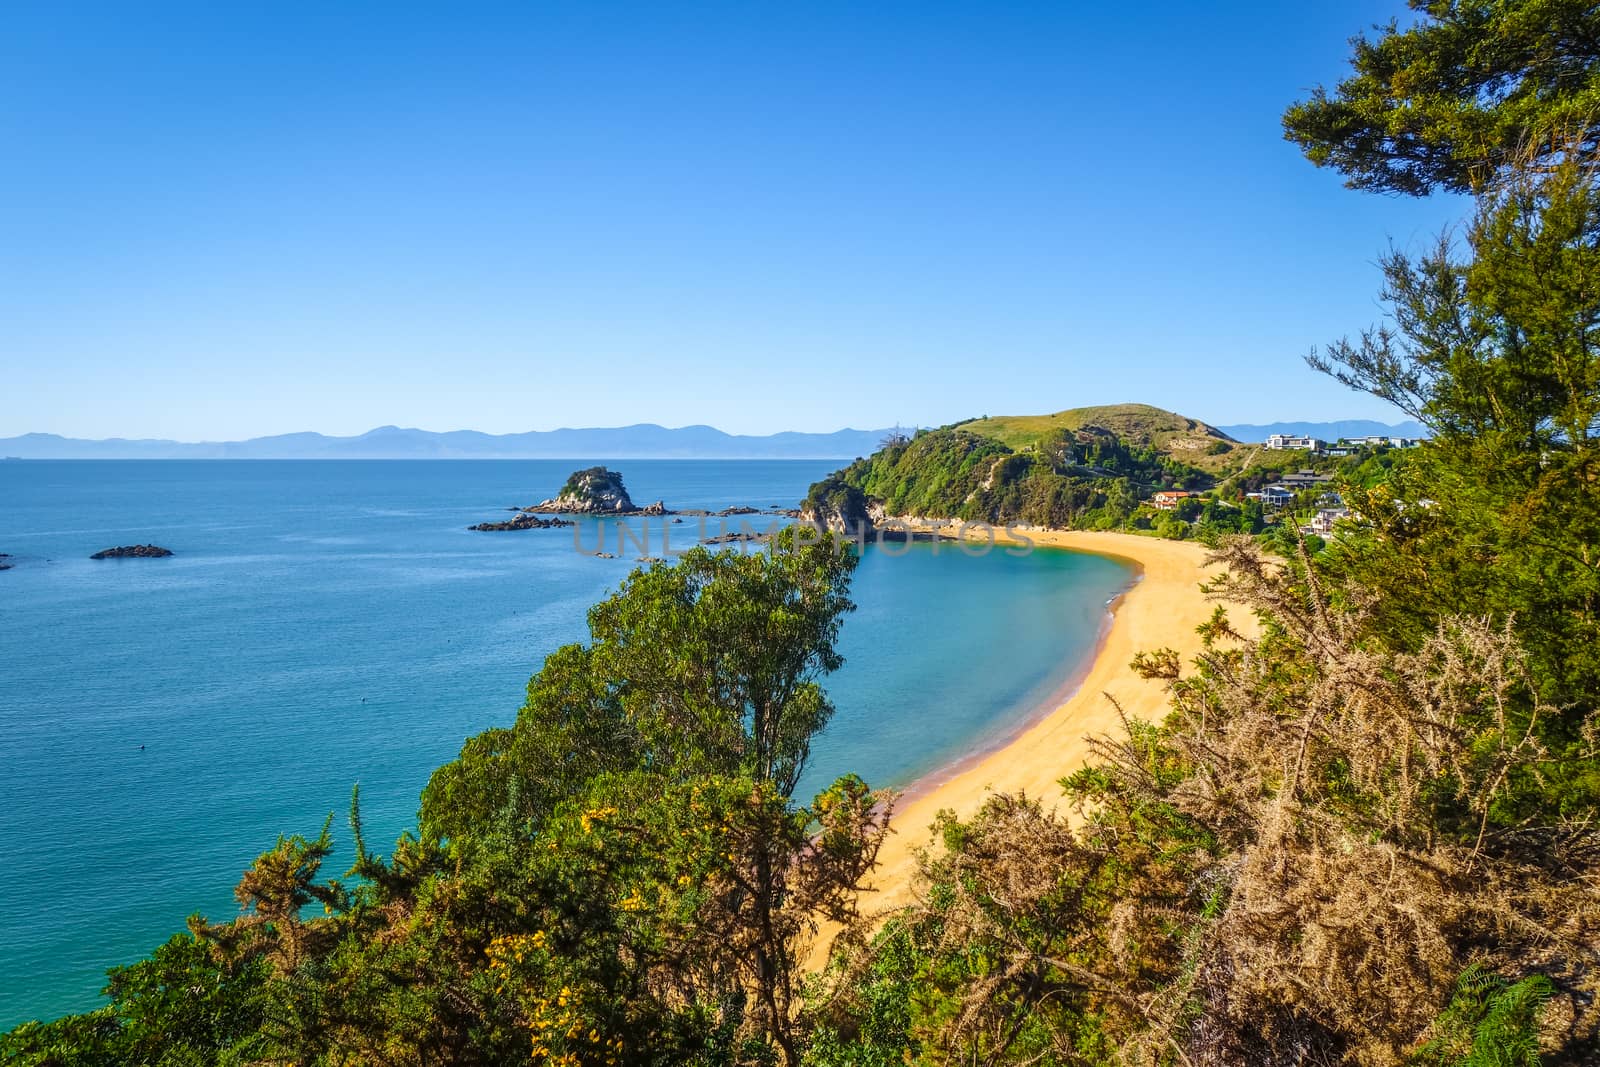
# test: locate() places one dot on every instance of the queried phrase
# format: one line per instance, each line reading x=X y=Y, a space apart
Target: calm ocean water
x=327 y=623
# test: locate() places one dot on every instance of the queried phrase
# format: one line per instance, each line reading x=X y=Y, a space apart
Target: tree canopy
x=1456 y=99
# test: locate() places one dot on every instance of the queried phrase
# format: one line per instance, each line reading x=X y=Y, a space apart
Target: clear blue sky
x=225 y=220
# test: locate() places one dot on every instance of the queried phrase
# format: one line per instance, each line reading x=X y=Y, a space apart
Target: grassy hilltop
x=1166 y=431
x=1090 y=467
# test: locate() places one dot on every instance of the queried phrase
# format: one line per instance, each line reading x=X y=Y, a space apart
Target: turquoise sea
x=328 y=623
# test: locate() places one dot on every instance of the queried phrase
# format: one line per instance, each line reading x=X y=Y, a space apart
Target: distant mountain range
x=644 y=441
x=1327 y=431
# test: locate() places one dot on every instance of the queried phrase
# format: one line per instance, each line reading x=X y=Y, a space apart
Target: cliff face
x=841 y=507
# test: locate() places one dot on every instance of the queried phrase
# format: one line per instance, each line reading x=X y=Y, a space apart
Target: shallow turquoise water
x=326 y=623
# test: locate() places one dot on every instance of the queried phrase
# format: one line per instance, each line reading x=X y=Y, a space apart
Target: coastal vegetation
x=620 y=877
x=1086 y=468
x=1365 y=835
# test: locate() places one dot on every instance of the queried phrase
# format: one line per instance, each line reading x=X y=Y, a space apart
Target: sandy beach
x=1161 y=610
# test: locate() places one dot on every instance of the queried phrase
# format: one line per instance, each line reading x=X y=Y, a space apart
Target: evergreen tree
x=1455 y=100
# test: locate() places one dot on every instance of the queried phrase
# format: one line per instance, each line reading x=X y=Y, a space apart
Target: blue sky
x=225 y=220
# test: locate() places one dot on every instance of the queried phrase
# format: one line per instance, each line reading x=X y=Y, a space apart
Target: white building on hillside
x=1274 y=496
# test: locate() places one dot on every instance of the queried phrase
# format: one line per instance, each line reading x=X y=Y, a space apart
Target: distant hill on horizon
x=651 y=441
x=641 y=441
x=1327 y=431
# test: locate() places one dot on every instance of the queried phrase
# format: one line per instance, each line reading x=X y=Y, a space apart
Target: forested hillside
x=1089 y=467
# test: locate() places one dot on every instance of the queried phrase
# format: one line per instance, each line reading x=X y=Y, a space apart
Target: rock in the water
x=593 y=490
x=523 y=521
x=597 y=491
x=737 y=539
x=4 y=565
x=133 y=552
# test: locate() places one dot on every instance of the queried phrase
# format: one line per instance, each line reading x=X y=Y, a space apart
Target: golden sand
x=1161 y=611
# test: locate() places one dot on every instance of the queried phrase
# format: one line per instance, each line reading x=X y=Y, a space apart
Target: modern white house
x=1380 y=441
x=1281 y=442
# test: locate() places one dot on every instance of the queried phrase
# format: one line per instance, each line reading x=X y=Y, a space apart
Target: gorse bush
x=1294 y=867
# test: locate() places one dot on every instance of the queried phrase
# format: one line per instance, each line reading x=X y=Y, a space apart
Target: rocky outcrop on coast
x=842 y=508
x=600 y=493
x=596 y=491
x=133 y=552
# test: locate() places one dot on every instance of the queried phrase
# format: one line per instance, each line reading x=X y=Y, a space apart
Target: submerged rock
x=4 y=565
x=523 y=521
x=133 y=552
x=737 y=539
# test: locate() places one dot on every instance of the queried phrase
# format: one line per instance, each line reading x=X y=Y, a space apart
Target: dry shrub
x=1351 y=843
x=1354 y=793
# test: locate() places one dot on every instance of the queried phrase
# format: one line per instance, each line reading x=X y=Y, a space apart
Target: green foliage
x=1495 y=353
x=591 y=482
x=1087 y=478
x=833 y=497
x=178 y=1007
x=1342 y=835
x=1451 y=102
x=621 y=877
x=1489 y=1022
x=1138 y=424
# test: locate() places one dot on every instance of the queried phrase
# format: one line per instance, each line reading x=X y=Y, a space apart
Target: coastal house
x=1282 y=442
x=1380 y=441
x=1168 y=499
x=1325 y=519
x=1305 y=479
x=1274 y=496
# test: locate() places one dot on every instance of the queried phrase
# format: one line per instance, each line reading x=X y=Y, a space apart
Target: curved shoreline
x=1161 y=609
x=1035 y=710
